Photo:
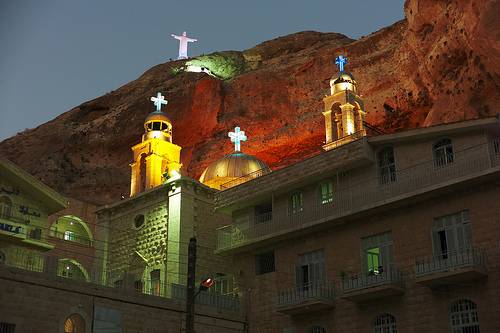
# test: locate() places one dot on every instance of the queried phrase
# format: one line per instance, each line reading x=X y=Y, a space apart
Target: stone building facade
x=397 y=232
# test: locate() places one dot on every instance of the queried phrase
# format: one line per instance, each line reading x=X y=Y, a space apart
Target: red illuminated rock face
x=439 y=65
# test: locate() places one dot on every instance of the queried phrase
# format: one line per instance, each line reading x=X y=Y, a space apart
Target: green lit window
x=373 y=260
x=326 y=189
x=297 y=202
x=69 y=235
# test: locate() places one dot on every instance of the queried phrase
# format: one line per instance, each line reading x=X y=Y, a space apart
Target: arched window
x=386 y=165
x=443 y=152
x=70 y=268
x=384 y=323
x=316 y=329
x=463 y=317
x=74 y=324
x=73 y=229
x=5 y=207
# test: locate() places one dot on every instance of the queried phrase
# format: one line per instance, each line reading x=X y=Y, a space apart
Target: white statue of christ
x=183 y=44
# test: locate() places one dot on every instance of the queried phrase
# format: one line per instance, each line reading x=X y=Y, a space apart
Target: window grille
x=443 y=152
x=317 y=329
x=463 y=317
x=69 y=235
x=264 y=263
x=384 y=323
x=7 y=328
x=386 y=166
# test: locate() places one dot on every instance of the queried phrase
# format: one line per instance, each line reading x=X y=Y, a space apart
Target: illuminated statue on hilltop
x=237 y=136
x=183 y=44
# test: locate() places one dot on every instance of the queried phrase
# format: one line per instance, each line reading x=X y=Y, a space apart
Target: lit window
x=386 y=165
x=373 y=260
x=463 y=317
x=73 y=324
x=296 y=202
x=443 y=152
x=384 y=323
x=326 y=189
x=155 y=276
x=377 y=253
x=69 y=235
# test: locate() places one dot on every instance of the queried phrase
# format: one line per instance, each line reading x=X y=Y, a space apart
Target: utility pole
x=191 y=273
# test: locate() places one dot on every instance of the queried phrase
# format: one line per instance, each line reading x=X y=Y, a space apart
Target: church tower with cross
x=156 y=157
x=344 y=109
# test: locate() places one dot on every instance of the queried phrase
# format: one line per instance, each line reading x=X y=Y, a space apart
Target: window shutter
x=299 y=278
x=467 y=236
x=436 y=243
x=451 y=239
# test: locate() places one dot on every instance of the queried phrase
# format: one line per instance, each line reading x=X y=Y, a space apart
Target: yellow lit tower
x=344 y=109
x=156 y=155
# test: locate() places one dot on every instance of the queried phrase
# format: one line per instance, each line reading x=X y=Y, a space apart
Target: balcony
x=305 y=298
x=82 y=240
x=364 y=287
x=451 y=268
x=421 y=180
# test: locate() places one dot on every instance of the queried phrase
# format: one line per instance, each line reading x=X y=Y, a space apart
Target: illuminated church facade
x=362 y=237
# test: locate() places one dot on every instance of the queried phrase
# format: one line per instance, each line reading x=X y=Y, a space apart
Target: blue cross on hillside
x=341 y=61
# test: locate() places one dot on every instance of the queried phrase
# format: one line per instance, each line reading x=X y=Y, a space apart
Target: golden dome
x=342 y=81
x=224 y=172
x=157 y=116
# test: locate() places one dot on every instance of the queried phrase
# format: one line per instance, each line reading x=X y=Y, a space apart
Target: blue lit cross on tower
x=158 y=101
x=237 y=136
x=341 y=61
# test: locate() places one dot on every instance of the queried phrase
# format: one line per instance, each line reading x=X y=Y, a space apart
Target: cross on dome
x=340 y=61
x=158 y=101
x=237 y=136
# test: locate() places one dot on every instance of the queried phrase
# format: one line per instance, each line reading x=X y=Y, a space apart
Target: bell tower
x=156 y=155
x=344 y=109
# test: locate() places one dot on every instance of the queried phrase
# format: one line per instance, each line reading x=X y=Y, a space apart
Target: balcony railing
x=339 y=142
x=451 y=261
x=209 y=298
x=416 y=179
x=306 y=293
x=245 y=178
x=390 y=276
x=71 y=238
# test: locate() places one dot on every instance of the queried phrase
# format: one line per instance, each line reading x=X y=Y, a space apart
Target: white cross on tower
x=237 y=136
x=158 y=101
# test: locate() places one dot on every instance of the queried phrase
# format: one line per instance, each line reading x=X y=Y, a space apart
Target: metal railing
x=210 y=298
x=363 y=195
x=121 y=282
x=73 y=238
x=244 y=178
x=389 y=276
x=306 y=292
x=449 y=261
x=348 y=138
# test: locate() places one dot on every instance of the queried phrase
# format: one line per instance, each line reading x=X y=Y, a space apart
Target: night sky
x=56 y=54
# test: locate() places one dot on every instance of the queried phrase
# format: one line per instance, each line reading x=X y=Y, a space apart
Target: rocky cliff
x=438 y=65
